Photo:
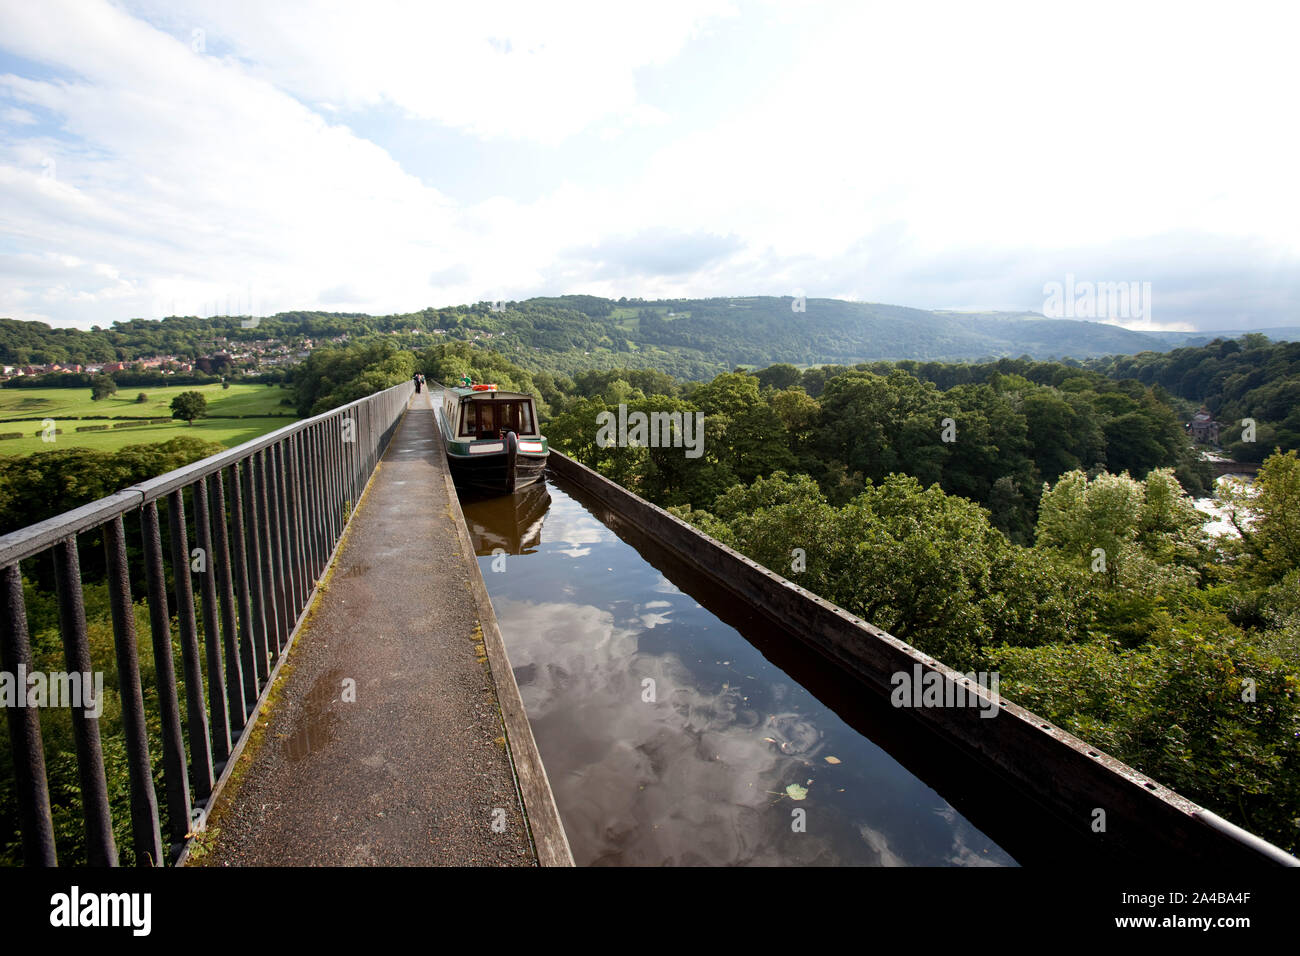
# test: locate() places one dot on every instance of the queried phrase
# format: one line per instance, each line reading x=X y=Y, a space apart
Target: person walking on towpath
x=419 y=381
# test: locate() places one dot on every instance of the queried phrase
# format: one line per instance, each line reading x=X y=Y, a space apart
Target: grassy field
x=56 y=403
x=226 y=431
x=627 y=315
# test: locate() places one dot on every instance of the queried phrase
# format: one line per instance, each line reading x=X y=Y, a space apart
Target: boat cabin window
x=493 y=419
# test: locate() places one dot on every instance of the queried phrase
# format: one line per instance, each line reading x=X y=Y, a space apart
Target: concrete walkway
x=415 y=770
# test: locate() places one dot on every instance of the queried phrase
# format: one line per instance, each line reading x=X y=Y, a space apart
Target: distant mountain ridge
x=689 y=338
x=1285 y=333
x=756 y=330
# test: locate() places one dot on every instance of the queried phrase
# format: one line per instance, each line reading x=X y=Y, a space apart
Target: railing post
x=329 y=532
x=31 y=789
x=211 y=626
x=145 y=831
x=293 y=528
x=196 y=714
x=277 y=505
x=269 y=540
x=249 y=580
x=372 y=428
x=311 y=502
x=100 y=847
x=229 y=629
x=175 y=775
x=313 y=479
x=338 y=471
x=306 y=539
x=353 y=450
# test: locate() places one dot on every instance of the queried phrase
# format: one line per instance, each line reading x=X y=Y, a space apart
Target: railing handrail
x=35 y=538
x=266 y=518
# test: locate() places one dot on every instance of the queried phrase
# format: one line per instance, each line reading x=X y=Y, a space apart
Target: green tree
x=1140 y=542
x=1092 y=522
x=335 y=376
x=1176 y=709
x=188 y=406
x=46 y=483
x=1272 y=537
x=574 y=432
x=102 y=386
x=780 y=376
x=926 y=566
x=879 y=425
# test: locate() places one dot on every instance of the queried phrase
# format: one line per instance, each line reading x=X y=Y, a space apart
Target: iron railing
x=264 y=519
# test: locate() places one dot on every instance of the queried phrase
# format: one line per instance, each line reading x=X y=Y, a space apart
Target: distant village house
x=1203 y=429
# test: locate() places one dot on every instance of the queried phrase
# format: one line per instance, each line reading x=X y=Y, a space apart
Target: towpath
x=384 y=742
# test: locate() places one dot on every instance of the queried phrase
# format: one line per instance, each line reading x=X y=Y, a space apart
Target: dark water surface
x=670 y=724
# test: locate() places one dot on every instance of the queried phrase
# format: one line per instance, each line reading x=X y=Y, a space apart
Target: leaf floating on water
x=832 y=759
x=796 y=792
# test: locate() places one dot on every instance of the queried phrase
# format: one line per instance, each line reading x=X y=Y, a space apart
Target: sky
x=234 y=158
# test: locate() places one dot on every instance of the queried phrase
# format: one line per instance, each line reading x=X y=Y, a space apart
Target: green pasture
x=626 y=315
x=227 y=431
x=39 y=403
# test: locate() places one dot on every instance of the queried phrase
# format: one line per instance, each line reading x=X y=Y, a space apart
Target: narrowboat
x=492 y=437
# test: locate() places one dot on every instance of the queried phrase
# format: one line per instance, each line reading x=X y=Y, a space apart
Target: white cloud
x=937 y=155
x=192 y=173
x=515 y=70
x=17 y=116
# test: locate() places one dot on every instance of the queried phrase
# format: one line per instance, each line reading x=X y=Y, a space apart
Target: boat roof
x=463 y=392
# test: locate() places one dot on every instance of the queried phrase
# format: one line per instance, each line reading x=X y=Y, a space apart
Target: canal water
x=671 y=734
